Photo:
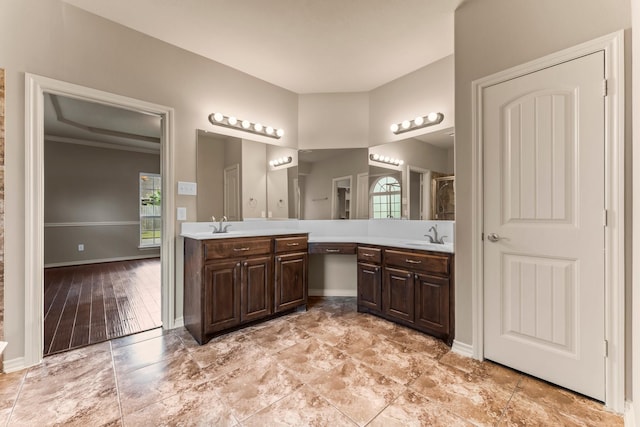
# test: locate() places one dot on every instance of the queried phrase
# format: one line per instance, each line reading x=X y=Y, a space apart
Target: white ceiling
x=306 y=46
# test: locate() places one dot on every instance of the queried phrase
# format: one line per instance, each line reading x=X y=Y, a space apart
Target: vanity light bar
x=386 y=159
x=220 y=119
x=417 y=123
x=280 y=161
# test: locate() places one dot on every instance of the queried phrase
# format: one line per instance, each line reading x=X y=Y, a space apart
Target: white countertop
x=399 y=242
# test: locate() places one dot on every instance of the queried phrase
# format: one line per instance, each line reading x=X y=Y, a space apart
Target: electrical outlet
x=81 y=247
x=181 y=214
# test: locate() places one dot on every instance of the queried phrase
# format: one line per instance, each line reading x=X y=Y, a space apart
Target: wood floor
x=88 y=304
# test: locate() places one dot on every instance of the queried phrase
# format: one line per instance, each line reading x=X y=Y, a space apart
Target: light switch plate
x=187 y=188
x=181 y=214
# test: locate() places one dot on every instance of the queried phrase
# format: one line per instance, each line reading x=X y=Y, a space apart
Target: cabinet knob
x=246 y=264
x=238 y=265
x=377 y=269
x=279 y=258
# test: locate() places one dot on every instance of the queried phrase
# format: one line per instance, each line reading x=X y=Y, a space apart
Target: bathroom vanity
x=230 y=282
x=409 y=287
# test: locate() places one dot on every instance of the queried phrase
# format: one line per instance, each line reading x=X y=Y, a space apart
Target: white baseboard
x=99 y=261
x=178 y=322
x=13 y=365
x=332 y=293
x=630 y=415
x=462 y=348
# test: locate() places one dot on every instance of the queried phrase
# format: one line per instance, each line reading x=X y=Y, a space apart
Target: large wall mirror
x=413 y=178
x=236 y=179
x=330 y=183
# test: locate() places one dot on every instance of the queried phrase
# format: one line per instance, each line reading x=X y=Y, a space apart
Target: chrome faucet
x=434 y=238
x=219 y=228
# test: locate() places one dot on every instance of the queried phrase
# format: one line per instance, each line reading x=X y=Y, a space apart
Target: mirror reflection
x=413 y=178
x=235 y=179
x=333 y=183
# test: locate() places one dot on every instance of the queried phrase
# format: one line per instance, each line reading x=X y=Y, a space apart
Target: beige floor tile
x=68 y=394
x=572 y=405
x=198 y=406
x=310 y=359
x=303 y=407
x=499 y=374
x=413 y=410
x=135 y=338
x=147 y=352
x=142 y=387
x=395 y=360
x=479 y=400
x=225 y=353
x=9 y=387
x=357 y=390
x=277 y=336
x=251 y=388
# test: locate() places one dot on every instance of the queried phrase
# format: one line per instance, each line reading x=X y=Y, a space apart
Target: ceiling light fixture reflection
x=386 y=159
x=417 y=123
x=232 y=122
x=280 y=161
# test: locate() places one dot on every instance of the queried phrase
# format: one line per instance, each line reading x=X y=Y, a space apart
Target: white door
x=543 y=224
x=231 y=208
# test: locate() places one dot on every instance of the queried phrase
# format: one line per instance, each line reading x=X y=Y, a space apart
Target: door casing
x=613 y=46
x=35 y=87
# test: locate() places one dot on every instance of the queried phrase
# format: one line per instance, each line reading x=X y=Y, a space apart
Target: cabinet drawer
x=291 y=244
x=332 y=248
x=229 y=248
x=438 y=264
x=367 y=254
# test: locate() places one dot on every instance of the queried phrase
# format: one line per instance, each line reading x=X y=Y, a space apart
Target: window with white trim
x=150 y=209
x=385 y=198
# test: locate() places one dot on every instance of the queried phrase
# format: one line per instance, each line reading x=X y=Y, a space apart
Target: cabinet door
x=290 y=281
x=257 y=292
x=221 y=304
x=370 y=287
x=432 y=303
x=398 y=297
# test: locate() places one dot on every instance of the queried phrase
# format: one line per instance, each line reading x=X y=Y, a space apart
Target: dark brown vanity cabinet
x=370 y=278
x=291 y=272
x=415 y=290
x=230 y=282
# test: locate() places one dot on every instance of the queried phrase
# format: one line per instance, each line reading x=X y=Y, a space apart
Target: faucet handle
x=213 y=218
x=224 y=218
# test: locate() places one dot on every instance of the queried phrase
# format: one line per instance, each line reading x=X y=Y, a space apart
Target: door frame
x=35 y=87
x=613 y=47
x=334 y=194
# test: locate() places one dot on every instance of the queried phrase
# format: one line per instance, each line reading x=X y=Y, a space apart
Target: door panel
x=544 y=200
x=256 y=301
x=221 y=295
x=399 y=294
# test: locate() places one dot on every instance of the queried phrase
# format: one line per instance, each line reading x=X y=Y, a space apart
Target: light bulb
x=432 y=117
x=401 y=162
x=394 y=128
x=269 y=130
x=376 y=156
x=271 y=163
x=218 y=117
x=258 y=127
x=246 y=124
x=232 y=121
x=386 y=159
x=406 y=124
x=418 y=121
x=392 y=160
x=280 y=132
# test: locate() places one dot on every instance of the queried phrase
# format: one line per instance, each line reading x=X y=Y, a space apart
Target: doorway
x=102 y=217
x=568 y=206
x=36 y=87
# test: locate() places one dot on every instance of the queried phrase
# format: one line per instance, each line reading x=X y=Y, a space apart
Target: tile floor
x=327 y=366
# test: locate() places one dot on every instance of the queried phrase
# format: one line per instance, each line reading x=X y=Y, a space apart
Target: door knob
x=493 y=237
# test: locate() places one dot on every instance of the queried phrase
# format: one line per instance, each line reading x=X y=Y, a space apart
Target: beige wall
x=635 y=232
x=429 y=89
x=333 y=120
x=89 y=184
x=493 y=35
x=56 y=40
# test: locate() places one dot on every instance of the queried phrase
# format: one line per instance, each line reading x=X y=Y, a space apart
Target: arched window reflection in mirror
x=385 y=198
